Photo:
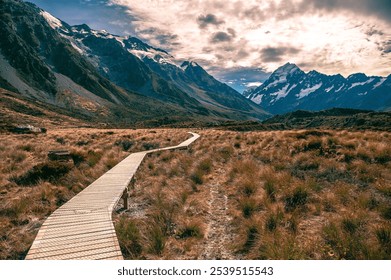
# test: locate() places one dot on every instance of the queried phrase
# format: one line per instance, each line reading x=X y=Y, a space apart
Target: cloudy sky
x=241 y=42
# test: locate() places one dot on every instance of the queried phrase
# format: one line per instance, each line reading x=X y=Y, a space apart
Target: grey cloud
x=209 y=19
x=275 y=54
x=221 y=36
x=380 y=8
x=165 y=39
x=242 y=54
x=374 y=31
x=288 y=8
x=232 y=32
x=386 y=47
x=254 y=13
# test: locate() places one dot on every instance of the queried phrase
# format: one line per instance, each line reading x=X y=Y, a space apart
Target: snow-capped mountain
x=135 y=65
x=289 y=89
x=99 y=74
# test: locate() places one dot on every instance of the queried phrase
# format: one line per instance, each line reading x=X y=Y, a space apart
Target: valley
x=298 y=166
x=294 y=194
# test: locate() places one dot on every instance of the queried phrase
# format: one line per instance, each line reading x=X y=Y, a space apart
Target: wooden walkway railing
x=82 y=228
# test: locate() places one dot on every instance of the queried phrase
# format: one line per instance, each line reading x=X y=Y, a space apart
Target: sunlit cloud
x=331 y=38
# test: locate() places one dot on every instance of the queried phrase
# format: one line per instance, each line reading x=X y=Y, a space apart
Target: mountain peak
x=357 y=76
x=286 y=69
x=80 y=27
x=189 y=63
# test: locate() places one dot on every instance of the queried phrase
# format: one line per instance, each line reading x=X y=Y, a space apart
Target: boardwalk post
x=125 y=197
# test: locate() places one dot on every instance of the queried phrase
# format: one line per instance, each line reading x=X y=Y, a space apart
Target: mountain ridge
x=289 y=89
x=74 y=67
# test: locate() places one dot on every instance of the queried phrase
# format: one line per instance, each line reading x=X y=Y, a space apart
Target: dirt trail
x=218 y=233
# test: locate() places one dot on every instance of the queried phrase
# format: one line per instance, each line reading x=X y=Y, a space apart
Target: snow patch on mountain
x=329 y=89
x=153 y=54
x=292 y=88
x=81 y=31
x=120 y=40
x=361 y=83
x=51 y=20
x=379 y=83
x=281 y=93
x=308 y=91
x=257 y=99
x=79 y=50
x=341 y=87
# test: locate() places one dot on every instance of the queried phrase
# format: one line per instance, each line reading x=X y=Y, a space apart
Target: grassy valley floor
x=304 y=194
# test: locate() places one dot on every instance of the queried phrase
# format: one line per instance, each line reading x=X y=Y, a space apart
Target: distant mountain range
x=289 y=89
x=106 y=77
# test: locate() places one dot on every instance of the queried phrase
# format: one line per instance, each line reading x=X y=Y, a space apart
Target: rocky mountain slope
x=102 y=76
x=289 y=89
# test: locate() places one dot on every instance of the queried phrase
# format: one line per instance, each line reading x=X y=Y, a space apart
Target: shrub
x=197 y=177
x=313 y=145
x=78 y=157
x=15 y=208
x=110 y=162
x=26 y=147
x=150 y=146
x=383 y=157
x=225 y=153
x=129 y=237
x=386 y=213
x=205 y=165
x=60 y=140
x=271 y=222
x=124 y=143
x=82 y=143
x=49 y=171
x=18 y=156
x=249 y=187
x=307 y=133
x=350 y=225
x=299 y=197
x=270 y=190
x=248 y=206
x=305 y=164
x=251 y=236
x=190 y=230
x=383 y=235
x=293 y=223
x=157 y=240
x=93 y=157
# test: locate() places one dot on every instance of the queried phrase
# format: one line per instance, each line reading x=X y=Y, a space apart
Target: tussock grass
x=307 y=194
x=297 y=198
x=191 y=229
x=32 y=186
x=129 y=236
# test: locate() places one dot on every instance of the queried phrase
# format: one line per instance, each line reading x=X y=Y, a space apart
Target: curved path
x=82 y=228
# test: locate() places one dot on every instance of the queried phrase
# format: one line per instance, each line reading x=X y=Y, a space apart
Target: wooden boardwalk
x=82 y=228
